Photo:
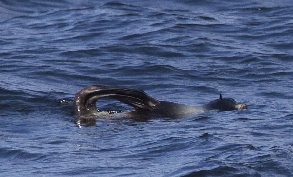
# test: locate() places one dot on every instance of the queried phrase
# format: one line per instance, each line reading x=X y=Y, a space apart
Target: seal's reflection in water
x=145 y=107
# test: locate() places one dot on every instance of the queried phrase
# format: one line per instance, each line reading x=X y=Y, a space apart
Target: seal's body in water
x=144 y=105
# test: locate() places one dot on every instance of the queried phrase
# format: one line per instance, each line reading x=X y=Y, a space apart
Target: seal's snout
x=241 y=106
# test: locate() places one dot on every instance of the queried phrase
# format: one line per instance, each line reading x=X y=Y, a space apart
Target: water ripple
x=181 y=51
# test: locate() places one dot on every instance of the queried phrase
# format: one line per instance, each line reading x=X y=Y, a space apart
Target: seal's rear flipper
x=85 y=100
x=135 y=98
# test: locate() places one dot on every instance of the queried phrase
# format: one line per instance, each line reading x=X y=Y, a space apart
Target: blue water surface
x=181 y=51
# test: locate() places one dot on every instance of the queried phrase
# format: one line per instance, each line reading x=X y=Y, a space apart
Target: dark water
x=181 y=51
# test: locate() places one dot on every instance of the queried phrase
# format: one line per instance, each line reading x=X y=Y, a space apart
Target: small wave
x=19 y=7
x=145 y=50
x=225 y=171
x=19 y=154
x=123 y=6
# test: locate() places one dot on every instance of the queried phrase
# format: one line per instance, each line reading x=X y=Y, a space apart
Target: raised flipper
x=85 y=100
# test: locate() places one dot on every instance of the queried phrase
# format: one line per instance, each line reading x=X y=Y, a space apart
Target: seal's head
x=225 y=104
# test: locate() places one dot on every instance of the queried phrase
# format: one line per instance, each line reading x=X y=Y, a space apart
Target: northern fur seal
x=144 y=105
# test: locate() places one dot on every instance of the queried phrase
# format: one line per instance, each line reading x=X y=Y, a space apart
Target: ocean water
x=181 y=51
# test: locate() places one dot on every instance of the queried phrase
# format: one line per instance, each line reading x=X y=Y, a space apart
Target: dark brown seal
x=144 y=105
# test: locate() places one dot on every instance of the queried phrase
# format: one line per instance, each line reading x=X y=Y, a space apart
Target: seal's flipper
x=85 y=100
x=135 y=98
